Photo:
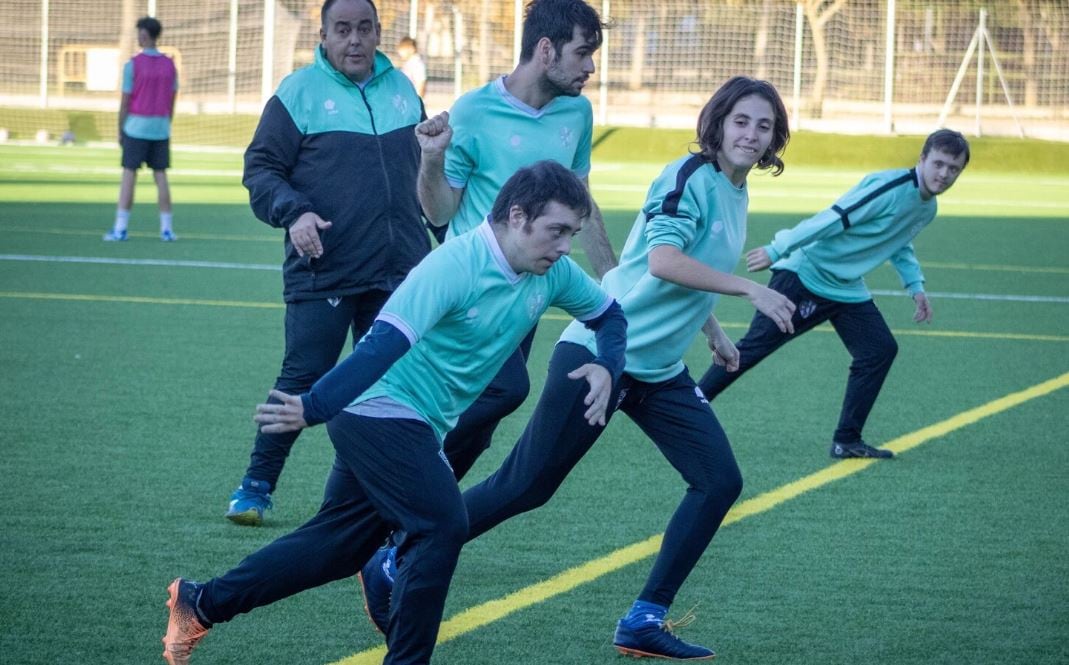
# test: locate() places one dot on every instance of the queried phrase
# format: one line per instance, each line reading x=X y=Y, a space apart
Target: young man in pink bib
x=150 y=83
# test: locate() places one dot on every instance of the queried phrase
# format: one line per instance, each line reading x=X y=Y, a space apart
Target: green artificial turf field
x=130 y=372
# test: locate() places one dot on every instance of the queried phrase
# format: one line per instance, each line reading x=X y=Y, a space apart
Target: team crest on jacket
x=536 y=304
x=331 y=107
x=806 y=308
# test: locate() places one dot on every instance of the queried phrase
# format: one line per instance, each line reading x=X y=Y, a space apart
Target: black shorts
x=135 y=152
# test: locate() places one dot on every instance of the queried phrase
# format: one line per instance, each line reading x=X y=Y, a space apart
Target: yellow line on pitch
x=144 y=300
x=826 y=328
x=494 y=610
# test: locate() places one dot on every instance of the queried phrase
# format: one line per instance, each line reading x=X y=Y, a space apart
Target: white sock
x=165 y=221
x=122 y=219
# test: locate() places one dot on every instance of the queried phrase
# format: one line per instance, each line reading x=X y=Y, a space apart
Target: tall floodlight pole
x=458 y=62
x=799 y=19
x=981 y=31
x=603 y=80
x=889 y=71
x=232 y=58
x=517 y=30
x=44 y=54
x=267 y=83
x=413 y=19
x=151 y=9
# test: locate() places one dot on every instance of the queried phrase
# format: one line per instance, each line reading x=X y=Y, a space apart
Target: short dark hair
x=557 y=19
x=947 y=140
x=711 y=120
x=327 y=4
x=151 y=26
x=533 y=187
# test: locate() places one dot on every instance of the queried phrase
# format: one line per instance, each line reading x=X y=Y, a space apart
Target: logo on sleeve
x=401 y=104
x=566 y=136
x=536 y=304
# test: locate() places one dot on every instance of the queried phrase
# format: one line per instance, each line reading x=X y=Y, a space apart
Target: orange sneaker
x=184 y=630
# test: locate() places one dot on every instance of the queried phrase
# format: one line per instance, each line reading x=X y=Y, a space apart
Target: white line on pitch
x=264 y=266
x=141 y=262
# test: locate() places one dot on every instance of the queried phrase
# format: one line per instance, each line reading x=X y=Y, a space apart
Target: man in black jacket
x=333 y=162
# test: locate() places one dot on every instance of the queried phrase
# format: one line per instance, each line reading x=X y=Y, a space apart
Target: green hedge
x=624 y=144
x=221 y=130
x=838 y=151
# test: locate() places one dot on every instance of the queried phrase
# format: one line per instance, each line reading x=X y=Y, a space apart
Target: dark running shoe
x=376 y=581
x=649 y=637
x=859 y=449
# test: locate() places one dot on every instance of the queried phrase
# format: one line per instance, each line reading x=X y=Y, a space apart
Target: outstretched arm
x=377 y=351
x=667 y=262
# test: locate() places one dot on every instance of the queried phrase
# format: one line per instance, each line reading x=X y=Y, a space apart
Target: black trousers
x=672 y=413
x=860 y=326
x=315 y=336
x=388 y=473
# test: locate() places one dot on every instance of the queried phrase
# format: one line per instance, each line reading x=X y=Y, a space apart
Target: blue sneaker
x=648 y=636
x=168 y=236
x=115 y=236
x=376 y=581
x=248 y=502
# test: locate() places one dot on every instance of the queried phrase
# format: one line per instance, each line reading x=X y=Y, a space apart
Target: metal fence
x=871 y=66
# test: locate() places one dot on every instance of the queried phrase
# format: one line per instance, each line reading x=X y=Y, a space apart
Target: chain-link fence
x=871 y=66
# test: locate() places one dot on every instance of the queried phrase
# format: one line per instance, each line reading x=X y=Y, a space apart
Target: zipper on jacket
x=382 y=164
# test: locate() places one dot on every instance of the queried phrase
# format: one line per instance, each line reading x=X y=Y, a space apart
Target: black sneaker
x=859 y=449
